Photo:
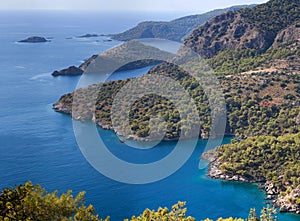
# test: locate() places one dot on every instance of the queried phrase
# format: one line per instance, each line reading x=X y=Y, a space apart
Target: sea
x=39 y=145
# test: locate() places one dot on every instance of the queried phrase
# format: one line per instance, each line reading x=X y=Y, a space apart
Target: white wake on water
x=41 y=76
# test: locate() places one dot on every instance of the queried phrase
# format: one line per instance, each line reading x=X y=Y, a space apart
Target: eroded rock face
x=228 y=31
x=291 y=33
x=288 y=202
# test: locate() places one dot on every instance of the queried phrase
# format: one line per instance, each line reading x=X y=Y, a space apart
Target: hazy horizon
x=187 y=6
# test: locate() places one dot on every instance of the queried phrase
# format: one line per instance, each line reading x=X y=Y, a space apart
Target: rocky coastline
x=281 y=201
x=61 y=108
x=70 y=71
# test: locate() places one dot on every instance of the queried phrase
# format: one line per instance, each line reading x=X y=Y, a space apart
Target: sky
x=123 y=5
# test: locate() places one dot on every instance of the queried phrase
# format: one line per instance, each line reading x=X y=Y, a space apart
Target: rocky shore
x=288 y=203
x=61 y=108
x=70 y=71
x=215 y=172
x=285 y=202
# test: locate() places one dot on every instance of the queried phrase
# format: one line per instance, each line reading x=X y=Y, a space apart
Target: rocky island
x=88 y=36
x=34 y=39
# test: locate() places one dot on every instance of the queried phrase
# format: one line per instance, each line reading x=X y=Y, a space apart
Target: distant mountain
x=174 y=30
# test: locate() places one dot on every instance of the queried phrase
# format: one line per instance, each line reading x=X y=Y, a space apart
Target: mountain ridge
x=254 y=28
x=174 y=30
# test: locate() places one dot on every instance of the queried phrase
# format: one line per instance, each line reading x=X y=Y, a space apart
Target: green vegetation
x=178 y=213
x=242 y=60
x=275 y=159
x=245 y=40
x=274 y=15
x=257 y=104
x=28 y=202
x=260 y=81
x=114 y=59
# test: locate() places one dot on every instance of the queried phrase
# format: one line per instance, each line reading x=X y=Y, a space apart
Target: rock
x=287 y=203
x=59 y=107
x=226 y=31
x=288 y=34
x=88 y=36
x=71 y=71
x=235 y=178
x=34 y=39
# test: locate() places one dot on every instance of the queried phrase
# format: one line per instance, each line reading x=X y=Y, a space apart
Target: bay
x=38 y=144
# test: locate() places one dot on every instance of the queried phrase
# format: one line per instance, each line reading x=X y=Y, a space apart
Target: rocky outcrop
x=215 y=171
x=291 y=33
x=270 y=188
x=70 y=71
x=289 y=202
x=34 y=39
x=254 y=28
x=61 y=108
x=228 y=31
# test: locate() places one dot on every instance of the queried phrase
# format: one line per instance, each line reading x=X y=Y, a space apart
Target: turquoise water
x=38 y=144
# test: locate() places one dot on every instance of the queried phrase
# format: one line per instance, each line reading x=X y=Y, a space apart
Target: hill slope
x=264 y=38
x=174 y=30
x=254 y=28
x=115 y=58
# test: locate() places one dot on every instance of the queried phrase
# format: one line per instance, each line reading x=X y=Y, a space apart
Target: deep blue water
x=38 y=144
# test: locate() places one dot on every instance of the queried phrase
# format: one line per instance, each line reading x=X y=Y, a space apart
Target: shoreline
x=272 y=193
x=60 y=108
x=282 y=202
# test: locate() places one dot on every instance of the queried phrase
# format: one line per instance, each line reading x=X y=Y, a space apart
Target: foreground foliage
x=178 y=213
x=28 y=202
